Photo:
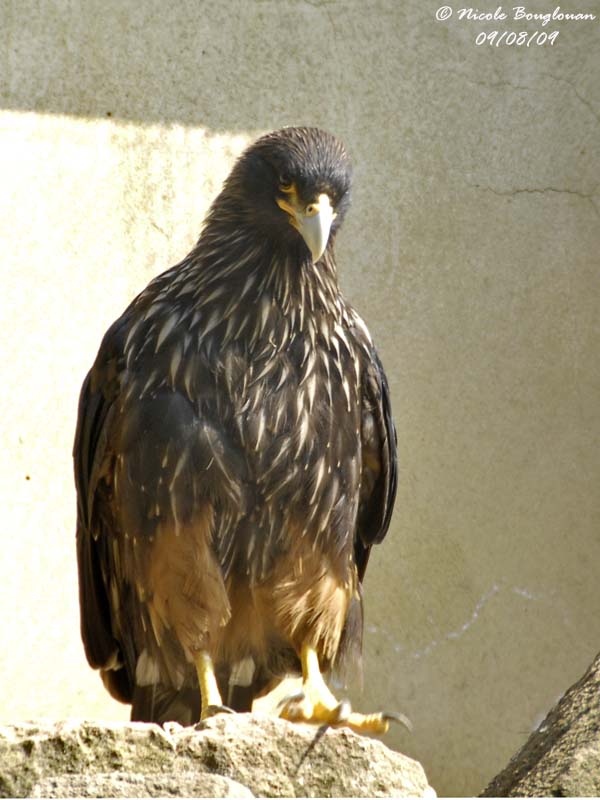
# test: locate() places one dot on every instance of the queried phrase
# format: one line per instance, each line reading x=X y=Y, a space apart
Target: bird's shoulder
x=357 y=328
x=365 y=352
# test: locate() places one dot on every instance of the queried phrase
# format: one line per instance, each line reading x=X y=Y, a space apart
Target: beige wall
x=472 y=250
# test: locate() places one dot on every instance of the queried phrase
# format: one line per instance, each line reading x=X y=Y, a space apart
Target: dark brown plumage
x=235 y=454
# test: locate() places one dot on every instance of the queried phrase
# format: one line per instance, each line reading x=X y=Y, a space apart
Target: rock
x=237 y=755
x=562 y=757
x=129 y=784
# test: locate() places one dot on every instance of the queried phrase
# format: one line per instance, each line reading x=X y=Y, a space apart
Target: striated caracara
x=235 y=458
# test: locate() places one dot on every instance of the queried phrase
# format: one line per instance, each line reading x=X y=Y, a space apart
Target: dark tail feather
x=240 y=698
x=164 y=704
x=117 y=683
x=347 y=668
x=161 y=703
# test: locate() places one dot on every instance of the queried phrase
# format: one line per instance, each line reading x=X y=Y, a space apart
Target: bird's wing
x=379 y=454
x=148 y=465
x=96 y=409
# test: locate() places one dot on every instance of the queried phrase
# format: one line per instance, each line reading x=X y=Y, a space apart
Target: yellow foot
x=315 y=703
x=300 y=708
x=307 y=706
x=376 y=723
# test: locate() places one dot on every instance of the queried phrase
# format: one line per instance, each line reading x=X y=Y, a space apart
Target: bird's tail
x=347 y=667
x=160 y=704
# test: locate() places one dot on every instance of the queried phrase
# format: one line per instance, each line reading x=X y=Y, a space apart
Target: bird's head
x=293 y=188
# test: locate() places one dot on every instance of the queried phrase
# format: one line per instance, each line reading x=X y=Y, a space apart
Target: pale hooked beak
x=313 y=223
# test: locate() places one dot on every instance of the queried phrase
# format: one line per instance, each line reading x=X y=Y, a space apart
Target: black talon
x=294 y=697
x=393 y=716
x=343 y=711
x=212 y=711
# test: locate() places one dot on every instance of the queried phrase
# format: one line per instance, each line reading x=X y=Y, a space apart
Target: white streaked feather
x=346 y=387
x=318 y=478
x=310 y=363
x=147 y=671
x=131 y=333
x=166 y=329
x=204 y=300
x=188 y=376
x=151 y=379
x=157 y=305
x=311 y=388
x=212 y=322
x=174 y=363
x=242 y=673
x=302 y=432
x=341 y=334
x=178 y=467
x=261 y=429
x=285 y=371
x=265 y=308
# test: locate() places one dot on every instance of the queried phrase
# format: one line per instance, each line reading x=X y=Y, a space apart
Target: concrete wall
x=472 y=250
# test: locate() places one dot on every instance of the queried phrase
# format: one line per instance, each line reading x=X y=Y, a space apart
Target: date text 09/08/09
x=521 y=39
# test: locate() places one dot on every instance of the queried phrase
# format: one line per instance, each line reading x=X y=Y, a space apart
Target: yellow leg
x=211 y=697
x=325 y=705
x=316 y=704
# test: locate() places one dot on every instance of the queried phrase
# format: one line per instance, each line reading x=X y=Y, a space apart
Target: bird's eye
x=285 y=184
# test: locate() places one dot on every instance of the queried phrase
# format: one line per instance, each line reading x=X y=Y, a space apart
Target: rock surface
x=562 y=758
x=231 y=756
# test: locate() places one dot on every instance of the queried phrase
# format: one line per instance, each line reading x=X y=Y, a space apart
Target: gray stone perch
x=242 y=755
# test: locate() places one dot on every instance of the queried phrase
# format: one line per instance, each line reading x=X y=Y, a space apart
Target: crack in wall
x=501 y=84
x=481 y=604
x=579 y=96
x=589 y=197
x=458 y=632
